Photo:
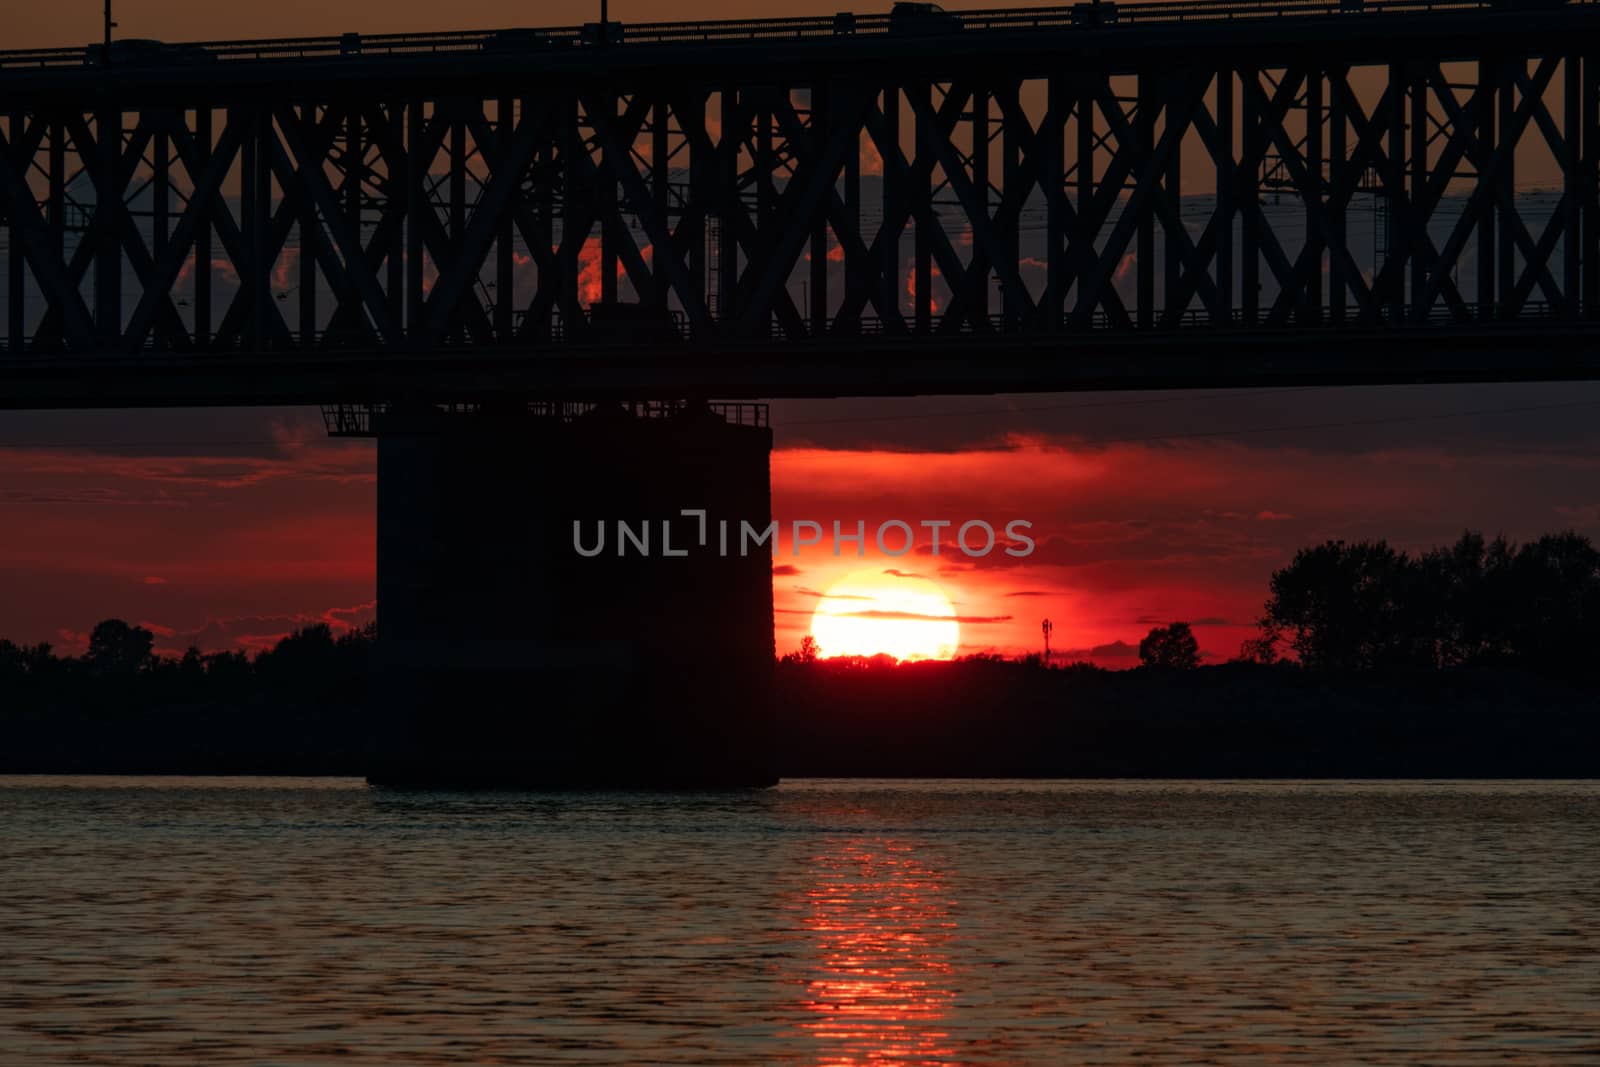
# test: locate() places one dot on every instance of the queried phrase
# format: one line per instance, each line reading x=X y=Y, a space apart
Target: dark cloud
x=785 y=570
x=93 y=494
x=1094 y=543
x=917 y=617
x=1117 y=653
x=1208 y=620
x=240 y=433
x=1472 y=419
x=803 y=591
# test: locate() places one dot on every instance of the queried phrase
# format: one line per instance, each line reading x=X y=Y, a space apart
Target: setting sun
x=869 y=612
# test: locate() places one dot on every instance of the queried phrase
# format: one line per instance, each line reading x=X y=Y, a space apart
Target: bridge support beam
x=515 y=650
x=1118 y=187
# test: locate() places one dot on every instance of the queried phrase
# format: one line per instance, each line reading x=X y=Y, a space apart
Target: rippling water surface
x=211 y=921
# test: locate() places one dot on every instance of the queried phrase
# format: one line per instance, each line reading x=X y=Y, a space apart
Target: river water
x=291 y=921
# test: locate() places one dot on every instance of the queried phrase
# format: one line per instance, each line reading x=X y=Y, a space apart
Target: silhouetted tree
x=229 y=674
x=118 y=650
x=191 y=672
x=1556 y=622
x=192 y=663
x=311 y=665
x=806 y=654
x=13 y=667
x=1475 y=602
x=1170 y=648
x=1468 y=593
x=1351 y=607
x=1262 y=649
x=881 y=661
x=40 y=660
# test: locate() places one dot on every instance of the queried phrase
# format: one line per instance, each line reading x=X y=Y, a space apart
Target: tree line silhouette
x=121 y=668
x=1338 y=608
x=1364 y=606
x=1468 y=660
x=1471 y=659
x=1343 y=608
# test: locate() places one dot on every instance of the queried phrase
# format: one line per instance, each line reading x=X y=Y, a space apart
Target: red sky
x=230 y=528
x=1148 y=509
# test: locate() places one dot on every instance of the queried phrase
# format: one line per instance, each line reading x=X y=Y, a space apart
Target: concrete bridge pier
x=515 y=651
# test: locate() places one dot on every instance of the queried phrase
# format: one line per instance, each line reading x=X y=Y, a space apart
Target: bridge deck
x=863 y=35
x=1202 y=357
x=1201 y=193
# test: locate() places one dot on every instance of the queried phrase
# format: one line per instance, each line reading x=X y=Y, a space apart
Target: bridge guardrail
x=1190 y=320
x=353 y=47
x=356 y=420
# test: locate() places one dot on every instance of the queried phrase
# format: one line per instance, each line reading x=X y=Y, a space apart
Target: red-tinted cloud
x=232 y=547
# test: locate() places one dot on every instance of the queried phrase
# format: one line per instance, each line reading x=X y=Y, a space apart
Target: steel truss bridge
x=1168 y=194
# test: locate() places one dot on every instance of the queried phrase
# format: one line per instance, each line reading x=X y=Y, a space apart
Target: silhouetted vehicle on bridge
x=146 y=52
x=1094 y=14
x=907 y=18
x=595 y=34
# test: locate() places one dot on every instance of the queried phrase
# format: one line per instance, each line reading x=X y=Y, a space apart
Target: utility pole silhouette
x=1048 y=628
x=109 y=27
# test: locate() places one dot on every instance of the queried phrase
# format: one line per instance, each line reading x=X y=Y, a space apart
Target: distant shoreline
x=960 y=720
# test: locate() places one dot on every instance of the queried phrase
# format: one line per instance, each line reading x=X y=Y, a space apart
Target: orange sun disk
x=871 y=612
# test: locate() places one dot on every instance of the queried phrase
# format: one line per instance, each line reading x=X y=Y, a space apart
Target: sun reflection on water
x=881 y=984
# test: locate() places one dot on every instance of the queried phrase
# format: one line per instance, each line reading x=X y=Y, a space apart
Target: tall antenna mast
x=109 y=27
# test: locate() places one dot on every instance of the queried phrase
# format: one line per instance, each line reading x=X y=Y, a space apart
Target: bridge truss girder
x=380 y=219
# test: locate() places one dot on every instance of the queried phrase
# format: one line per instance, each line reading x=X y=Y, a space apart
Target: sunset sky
x=230 y=528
